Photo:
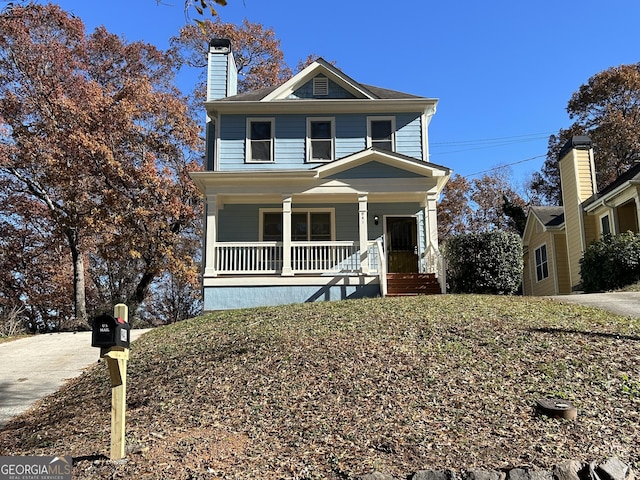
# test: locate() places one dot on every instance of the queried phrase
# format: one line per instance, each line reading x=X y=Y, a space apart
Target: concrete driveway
x=36 y=366
x=621 y=303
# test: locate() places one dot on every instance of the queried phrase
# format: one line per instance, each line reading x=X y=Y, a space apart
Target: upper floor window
x=542 y=266
x=260 y=139
x=320 y=135
x=381 y=133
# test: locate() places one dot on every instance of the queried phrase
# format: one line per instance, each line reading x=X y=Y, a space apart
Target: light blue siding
x=290 y=133
x=226 y=298
x=351 y=134
x=408 y=135
x=232 y=131
x=241 y=223
x=375 y=170
x=217 y=77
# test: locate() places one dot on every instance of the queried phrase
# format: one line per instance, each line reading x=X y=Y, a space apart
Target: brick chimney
x=578 y=183
x=222 y=74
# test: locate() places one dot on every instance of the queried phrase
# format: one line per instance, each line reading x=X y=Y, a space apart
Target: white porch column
x=364 y=235
x=637 y=199
x=430 y=222
x=211 y=235
x=286 y=235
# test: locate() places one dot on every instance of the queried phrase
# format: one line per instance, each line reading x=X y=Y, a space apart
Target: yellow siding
x=591 y=229
x=576 y=175
x=561 y=263
x=531 y=285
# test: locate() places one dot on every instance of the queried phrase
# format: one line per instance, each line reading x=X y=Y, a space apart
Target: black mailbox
x=110 y=332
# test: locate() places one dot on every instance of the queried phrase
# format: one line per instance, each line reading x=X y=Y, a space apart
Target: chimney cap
x=579 y=142
x=220 y=43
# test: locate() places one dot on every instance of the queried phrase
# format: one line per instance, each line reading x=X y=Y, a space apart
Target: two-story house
x=317 y=189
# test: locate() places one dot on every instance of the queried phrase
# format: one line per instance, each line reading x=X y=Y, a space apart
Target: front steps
x=399 y=284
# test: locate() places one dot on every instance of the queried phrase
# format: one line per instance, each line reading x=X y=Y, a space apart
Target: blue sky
x=503 y=71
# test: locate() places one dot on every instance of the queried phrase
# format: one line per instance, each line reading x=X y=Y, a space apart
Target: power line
x=484 y=144
x=506 y=165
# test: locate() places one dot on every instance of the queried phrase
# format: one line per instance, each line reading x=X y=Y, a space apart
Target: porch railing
x=306 y=257
x=317 y=257
x=248 y=257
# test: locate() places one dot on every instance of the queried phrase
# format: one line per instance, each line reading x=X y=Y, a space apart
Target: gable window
x=306 y=226
x=260 y=139
x=381 y=133
x=542 y=267
x=320 y=135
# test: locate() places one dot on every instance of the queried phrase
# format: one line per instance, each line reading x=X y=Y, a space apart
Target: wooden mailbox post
x=112 y=335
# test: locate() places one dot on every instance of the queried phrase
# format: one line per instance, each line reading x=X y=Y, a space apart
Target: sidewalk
x=37 y=366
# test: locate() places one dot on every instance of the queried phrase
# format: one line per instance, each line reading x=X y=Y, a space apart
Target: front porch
x=318 y=271
x=331 y=232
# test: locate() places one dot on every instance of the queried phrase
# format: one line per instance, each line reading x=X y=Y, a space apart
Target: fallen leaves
x=337 y=389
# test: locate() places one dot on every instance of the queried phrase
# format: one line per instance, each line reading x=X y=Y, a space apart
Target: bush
x=489 y=263
x=611 y=263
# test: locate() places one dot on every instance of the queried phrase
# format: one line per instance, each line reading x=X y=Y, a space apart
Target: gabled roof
x=385 y=157
x=360 y=91
x=549 y=216
x=320 y=66
x=385 y=161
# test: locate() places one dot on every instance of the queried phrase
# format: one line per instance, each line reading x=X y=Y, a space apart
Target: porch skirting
x=246 y=291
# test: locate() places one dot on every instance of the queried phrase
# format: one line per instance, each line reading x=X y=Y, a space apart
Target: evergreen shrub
x=611 y=263
x=485 y=263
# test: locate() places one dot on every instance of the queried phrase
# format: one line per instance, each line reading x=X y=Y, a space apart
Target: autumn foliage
x=607 y=108
x=95 y=147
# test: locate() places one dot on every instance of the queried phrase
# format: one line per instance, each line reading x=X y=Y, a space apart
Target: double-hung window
x=381 y=133
x=260 y=139
x=542 y=267
x=314 y=226
x=320 y=139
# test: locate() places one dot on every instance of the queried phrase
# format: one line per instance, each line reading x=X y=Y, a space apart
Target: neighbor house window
x=605 y=225
x=314 y=226
x=542 y=267
x=381 y=133
x=260 y=139
x=320 y=135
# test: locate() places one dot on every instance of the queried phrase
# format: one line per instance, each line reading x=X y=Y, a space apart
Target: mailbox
x=110 y=332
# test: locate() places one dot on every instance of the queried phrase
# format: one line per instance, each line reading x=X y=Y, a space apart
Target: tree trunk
x=79 y=293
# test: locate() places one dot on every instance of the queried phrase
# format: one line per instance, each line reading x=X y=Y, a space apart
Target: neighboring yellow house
x=555 y=238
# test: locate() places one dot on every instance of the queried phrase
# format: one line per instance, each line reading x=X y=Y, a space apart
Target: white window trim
x=250 y=120
x=393 y=130
x=535 y=262
x=309 y=139
x=330 y=211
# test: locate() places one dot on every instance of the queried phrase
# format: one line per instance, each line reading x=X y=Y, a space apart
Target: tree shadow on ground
x=587 y=333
